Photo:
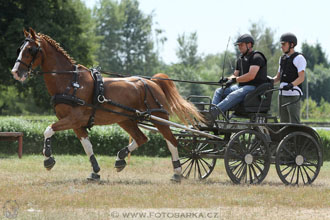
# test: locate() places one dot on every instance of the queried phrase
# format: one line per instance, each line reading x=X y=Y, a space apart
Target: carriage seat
x=253 y=100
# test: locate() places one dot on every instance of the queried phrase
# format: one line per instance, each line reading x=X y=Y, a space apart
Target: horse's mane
x=56 y=46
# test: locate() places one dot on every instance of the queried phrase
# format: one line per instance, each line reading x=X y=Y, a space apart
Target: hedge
x=106 y=140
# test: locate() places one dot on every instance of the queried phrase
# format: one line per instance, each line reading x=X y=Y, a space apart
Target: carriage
x=246 y=137
x=249 y=140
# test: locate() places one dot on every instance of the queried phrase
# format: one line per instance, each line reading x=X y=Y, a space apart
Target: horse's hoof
x=176 y=178
x=94 y=177
x=120 y=165
x=49 y=163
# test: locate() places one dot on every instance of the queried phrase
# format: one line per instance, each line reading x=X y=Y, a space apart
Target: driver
x=250 y=72
x=291 y=74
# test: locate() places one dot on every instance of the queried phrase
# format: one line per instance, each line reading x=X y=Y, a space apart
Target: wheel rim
x=197 y=159
x=247 y=158
x=298 y=159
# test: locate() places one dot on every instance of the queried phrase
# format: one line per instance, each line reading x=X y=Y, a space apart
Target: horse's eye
x=30 y=49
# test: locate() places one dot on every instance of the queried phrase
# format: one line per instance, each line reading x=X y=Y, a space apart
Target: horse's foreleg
x=49 y=161
x=138 y=139
x=63 y=124
x=83 y=137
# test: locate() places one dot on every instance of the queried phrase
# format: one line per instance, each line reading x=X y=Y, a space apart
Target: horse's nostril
x=15 y=74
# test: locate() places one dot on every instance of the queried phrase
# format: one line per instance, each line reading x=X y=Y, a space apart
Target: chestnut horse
x=63 y=76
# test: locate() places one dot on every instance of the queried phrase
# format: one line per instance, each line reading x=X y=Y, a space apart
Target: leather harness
x=99 y=99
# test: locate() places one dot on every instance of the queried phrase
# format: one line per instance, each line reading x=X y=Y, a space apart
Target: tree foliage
x=126 y=46
x=119 y=37
x=68 y=22
x=188 y=67
x=314 y=55
x=318 y=83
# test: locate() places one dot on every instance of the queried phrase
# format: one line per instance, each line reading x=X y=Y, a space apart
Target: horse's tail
x=184 y=109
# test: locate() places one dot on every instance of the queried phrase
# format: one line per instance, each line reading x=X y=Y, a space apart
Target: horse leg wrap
x=49 y=163
x=120 y=163
x=94 y=163
x=123 y=153
x=176 y=164
x=177 y=171
x=47 y=148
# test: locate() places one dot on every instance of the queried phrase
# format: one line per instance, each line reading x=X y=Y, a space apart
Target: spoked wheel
x=247 y=158
x=198 y=156
x=298 y=159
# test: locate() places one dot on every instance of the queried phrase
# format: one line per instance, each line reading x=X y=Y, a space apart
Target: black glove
x=288 y=87
x=223 y=80
x=230 y=82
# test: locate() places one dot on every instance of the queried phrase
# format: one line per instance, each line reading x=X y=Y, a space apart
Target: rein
x=125 y=75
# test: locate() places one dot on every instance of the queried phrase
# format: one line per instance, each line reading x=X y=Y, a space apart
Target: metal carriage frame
x=249 y=145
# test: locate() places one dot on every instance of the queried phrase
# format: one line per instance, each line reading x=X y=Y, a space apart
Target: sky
x=215 y=21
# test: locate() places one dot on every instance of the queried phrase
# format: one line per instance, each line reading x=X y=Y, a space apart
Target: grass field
x=64 y=192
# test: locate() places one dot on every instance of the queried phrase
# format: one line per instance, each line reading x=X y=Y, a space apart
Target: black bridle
x=33 y=51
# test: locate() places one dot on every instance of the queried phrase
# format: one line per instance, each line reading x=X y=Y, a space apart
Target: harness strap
x=98 y=99
x=98 y=92
x=146 y=89
x=75 y=84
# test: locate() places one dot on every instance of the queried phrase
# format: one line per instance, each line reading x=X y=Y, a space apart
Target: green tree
x=318 y=83
x=126 y=46
x=314 y=55
x=187 y=50
x=213 y=66
x=68 y=22
x=188 y=67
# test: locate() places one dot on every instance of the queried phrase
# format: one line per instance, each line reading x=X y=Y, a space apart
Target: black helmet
x=245 y=38
x=289 y=37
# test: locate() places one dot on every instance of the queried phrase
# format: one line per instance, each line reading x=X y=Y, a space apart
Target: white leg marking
x=88 y=147
x=48 y=132
x=132 y=146
x=175 y=156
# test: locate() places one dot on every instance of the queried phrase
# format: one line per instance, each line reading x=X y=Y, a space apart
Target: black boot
x=215 y=112
x=120 y=161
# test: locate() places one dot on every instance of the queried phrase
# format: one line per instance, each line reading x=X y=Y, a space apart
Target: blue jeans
x=229 y=97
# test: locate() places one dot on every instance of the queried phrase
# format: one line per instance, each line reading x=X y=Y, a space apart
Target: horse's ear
x=33 y=34
x=26 y=33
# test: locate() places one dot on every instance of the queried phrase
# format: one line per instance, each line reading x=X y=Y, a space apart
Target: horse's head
x=28 y=56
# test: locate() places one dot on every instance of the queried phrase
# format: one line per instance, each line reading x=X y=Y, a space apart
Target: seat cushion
x=252 y=101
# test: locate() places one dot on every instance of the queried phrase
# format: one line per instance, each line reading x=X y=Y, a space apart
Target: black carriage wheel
x=298 y=159
x=247 y=158
x=197 y=159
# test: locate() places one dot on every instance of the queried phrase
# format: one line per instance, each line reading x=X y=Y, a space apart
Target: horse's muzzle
x=20 y=77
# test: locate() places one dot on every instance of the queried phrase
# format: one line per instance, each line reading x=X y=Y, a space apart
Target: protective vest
x=244 y=67
x=288 y=70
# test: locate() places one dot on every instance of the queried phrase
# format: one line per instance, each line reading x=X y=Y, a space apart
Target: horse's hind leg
x=83 y=137
x=172 y=144
x=138 y=139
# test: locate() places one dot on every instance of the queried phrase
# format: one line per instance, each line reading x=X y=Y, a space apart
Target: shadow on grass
x=139 y=182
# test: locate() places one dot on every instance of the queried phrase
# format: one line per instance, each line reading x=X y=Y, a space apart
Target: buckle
x=100 y=98
x=76 y=85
